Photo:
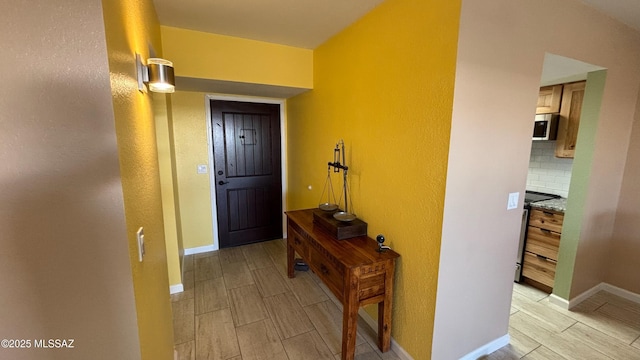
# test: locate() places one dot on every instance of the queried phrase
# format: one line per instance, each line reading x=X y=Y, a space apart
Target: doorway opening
x=559 y=166
x=551 y=166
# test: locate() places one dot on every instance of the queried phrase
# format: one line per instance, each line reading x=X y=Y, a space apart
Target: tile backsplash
x=548 y=173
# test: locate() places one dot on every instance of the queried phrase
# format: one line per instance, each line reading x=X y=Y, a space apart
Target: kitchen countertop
x=559 y=204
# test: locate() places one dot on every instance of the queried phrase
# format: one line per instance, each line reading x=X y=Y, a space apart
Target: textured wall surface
x=64 y=266
x=132 y=27
x=235 y=60
x=166 y=161
x=385 y=86
x=190 y=141
x=210 y=56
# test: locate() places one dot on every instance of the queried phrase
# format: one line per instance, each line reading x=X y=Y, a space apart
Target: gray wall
x=64 y=265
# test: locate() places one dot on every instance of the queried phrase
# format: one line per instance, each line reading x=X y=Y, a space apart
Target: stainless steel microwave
x=545 y=127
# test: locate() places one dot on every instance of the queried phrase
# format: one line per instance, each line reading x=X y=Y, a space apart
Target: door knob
x=222 y=182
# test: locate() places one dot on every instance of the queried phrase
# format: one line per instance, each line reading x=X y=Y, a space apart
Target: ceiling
x=299 y=23
x=309 y=23
x=626 y=11
x=306 y=23
x=559 y=70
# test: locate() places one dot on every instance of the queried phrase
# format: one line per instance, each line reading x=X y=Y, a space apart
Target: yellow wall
x=166 y=161
x=385 y=86
x=210 y=56
x=130 y=28
x=190 y=141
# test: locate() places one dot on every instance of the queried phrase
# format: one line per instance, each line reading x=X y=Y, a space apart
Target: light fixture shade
x=161 y=78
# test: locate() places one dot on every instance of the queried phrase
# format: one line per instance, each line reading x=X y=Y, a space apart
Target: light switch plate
x=140 y=237
x=202 y=169
x=512 y=203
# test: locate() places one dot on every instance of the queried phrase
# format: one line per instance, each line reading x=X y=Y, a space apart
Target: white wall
x=548 y=173
x=64 y=265
x=500 y=55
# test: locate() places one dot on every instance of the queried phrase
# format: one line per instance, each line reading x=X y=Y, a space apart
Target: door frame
x=283 y=151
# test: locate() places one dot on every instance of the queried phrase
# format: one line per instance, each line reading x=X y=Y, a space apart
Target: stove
x=534 y=196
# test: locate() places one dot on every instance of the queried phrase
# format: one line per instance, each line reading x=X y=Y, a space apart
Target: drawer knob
x=323 y=269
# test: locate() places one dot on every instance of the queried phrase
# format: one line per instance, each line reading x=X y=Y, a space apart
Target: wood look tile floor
x=238 y=304
x=604 y=326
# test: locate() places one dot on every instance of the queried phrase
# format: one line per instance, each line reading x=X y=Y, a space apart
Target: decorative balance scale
x=345 y=215
x=340 y=223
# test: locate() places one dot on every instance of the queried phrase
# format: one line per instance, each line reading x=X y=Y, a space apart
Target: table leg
x=384 y=310
x=384 y=326
x=350 y=315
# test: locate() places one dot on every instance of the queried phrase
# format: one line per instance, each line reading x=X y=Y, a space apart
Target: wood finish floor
x=604 y=326
x=238 y=304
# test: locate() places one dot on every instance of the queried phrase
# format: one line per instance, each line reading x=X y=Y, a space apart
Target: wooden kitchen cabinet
x=569 y=121
x=541 y=249
x=546 y=219
x=549 y=99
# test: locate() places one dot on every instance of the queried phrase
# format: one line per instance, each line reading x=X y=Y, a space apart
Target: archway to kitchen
x=554 y=170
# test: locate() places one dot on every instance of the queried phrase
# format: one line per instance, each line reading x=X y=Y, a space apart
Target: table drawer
x=546 y=220
x=328 y=270
x=297 y=241
x=539 y=268
x=371 y=286
x=543 y=242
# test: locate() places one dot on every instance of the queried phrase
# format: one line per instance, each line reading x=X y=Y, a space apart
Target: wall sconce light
x=157 y=74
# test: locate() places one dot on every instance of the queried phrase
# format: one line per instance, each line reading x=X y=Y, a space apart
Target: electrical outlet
x=512 y=203
x=140 y=236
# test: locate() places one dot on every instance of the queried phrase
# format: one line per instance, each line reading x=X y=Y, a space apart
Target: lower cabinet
x=539 y=268
x=541 y=250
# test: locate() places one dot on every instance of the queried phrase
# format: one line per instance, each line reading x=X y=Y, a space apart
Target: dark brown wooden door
x=246 y=152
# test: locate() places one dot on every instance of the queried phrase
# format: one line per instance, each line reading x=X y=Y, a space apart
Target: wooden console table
x=352 y=269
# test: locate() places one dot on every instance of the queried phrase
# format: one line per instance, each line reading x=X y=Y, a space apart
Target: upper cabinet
x=549 y=99
x=569 y=121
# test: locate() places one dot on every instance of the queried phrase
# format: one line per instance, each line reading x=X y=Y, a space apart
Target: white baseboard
x=395 y=347
x=631 y=296
x=198 y=250
x=558 y=301
x=585 y=295
x=488 y=348
x=174 y=289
